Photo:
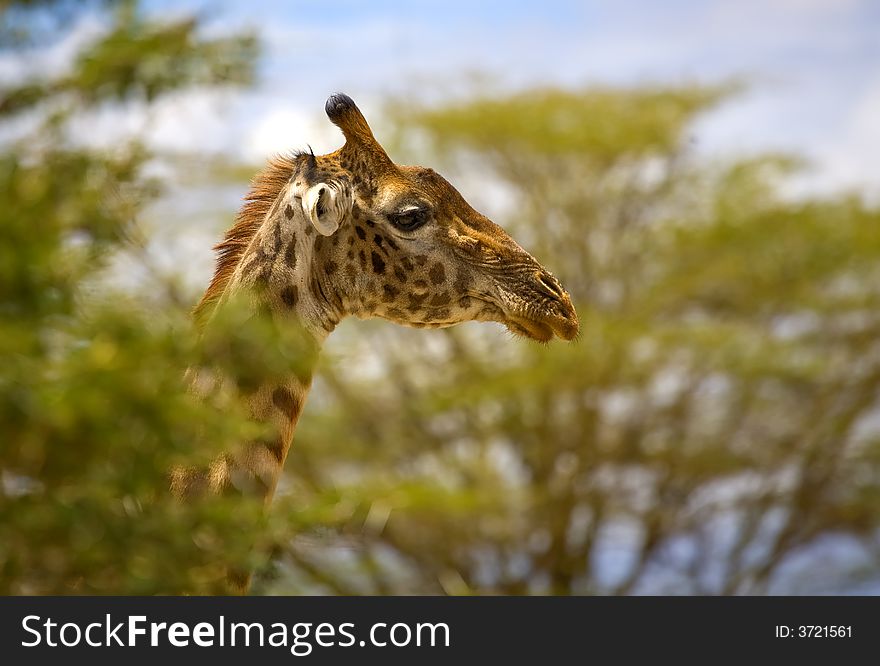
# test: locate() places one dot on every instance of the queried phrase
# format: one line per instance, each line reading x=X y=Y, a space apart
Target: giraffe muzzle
x=539 y=308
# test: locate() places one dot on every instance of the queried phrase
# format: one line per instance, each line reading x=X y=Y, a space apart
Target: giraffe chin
x=541 y=330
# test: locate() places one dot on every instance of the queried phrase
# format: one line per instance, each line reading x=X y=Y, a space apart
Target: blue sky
x=814 y=66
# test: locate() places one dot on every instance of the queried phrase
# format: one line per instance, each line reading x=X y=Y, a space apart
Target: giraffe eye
x=408 y=220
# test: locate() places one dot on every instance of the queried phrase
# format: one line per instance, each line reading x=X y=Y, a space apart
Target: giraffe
x=351 y=233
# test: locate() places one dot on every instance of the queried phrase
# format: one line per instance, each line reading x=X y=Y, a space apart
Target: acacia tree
x=93 y=409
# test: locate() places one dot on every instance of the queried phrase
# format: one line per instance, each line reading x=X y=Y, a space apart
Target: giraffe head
x=363 y=236
x=401 y=243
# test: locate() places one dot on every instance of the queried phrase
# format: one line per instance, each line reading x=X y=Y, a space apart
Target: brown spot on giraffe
x=290 y=252
x=440 y=299
x=275 y=446
x=283 y=400
x=290 y=295
x=437 y=273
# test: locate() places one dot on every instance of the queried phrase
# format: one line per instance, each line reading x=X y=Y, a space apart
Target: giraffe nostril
x=550 y=285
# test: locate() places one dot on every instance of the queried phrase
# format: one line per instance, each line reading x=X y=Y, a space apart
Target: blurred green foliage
x=93 y=406
x=141 y=59
x=712 y=430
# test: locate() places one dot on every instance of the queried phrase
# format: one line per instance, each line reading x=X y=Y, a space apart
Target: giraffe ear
x=326 y=205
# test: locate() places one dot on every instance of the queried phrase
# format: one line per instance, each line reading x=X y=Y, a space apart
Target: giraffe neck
x=280 y=272
x=255 y=466
x=282 y=279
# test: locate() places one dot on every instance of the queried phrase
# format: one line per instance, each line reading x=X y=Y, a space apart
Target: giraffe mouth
x=558 y=321
x=542 y=328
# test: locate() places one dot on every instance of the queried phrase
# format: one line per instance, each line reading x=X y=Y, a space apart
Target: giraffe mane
x=264 y=190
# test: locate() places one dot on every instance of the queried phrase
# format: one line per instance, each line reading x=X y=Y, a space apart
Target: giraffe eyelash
x=409 y=219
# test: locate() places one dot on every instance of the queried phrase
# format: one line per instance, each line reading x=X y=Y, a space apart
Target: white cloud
x=284 y=127
x=852 y=157
x=193 y=120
